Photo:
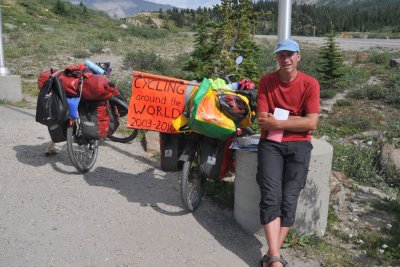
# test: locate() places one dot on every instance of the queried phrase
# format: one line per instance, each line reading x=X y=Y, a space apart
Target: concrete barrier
x=313 y=204
x=10 y=88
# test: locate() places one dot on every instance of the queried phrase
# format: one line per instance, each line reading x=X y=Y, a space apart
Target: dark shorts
x=281 y=175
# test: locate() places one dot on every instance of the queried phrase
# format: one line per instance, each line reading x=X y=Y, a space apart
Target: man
x=284 y=149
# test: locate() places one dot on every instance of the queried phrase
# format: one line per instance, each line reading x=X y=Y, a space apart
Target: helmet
x=233 y=107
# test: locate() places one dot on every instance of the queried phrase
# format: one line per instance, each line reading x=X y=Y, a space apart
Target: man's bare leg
x=51 y=150
x=275 y=235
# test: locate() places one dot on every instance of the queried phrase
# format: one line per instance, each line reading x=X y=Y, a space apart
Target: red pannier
x=95 y=86
x=44 y=76
x=95 y=118
x=98 y=87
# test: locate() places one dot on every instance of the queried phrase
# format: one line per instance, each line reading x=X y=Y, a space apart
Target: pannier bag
x=58 y=132
x=94 y=86
x=44 y=76
x=216 y=158
x=171 y=146
x=98 y=87
x=95 y=119
x=206 y=118
x=52 y=105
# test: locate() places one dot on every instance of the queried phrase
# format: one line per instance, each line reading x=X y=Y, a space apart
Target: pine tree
x=204 y=49
x=331 y=62
x=218 y=43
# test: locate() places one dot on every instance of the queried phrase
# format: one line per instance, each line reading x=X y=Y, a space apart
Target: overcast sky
x=193 y=4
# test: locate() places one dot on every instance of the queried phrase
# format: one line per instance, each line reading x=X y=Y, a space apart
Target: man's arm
x=267 y=121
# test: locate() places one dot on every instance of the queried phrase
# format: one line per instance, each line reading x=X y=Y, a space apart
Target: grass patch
x=344 y=103
x=221 y=192
x=357 y=162
x=20 y=104
x=332 y=255
x=30 y=88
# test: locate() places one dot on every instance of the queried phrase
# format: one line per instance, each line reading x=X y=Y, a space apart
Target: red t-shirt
x=300 y=96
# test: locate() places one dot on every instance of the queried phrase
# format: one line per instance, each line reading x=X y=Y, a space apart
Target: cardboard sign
x=156 y=100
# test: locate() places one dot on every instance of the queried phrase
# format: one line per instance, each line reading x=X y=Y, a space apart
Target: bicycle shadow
x=152 y=188
x=223 y=227
x=161 y=192
x=35 y=156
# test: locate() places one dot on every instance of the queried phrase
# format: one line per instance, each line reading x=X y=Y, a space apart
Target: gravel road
x=125 y=212
x=344 y=43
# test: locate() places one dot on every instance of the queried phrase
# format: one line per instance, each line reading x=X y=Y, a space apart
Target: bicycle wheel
x=82 y=151
x=192 y=183
x=123 y=134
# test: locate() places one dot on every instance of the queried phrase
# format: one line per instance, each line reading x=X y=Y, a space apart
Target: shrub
x=344 y=103
x=358 y=163
x=124 y=85
x=148 y=32
x=352 y=125
x=357 y=94
x=375 y=92
x=360 y=58
x=371 y=92
x=353 y=77
x=96 y=47
x=106 y=36
x=378 y=57
x=328 y=93
x=391 y=174
x=147 y=61
x=61 y=8
x=80 y=53
x=308 y=63
x=393 y=97
x=326 y=129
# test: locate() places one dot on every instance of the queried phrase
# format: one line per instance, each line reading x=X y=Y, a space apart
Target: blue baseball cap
x=287 y=45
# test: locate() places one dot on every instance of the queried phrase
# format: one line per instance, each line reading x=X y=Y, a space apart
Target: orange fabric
x=156 y=100
x=209 y=112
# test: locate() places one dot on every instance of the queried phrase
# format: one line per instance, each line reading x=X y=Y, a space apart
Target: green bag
x=206 y=118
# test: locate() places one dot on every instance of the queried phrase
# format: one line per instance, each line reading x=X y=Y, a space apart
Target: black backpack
x=52 y=105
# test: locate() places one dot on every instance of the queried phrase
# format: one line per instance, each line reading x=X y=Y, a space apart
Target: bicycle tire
x=123 y=134
x=192 y=184
x=82 y=151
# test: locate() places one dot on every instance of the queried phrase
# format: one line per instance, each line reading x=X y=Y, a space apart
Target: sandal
x=274 y=259
x=265 y=259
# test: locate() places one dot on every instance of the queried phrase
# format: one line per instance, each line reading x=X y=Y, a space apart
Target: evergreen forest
x=309 y=20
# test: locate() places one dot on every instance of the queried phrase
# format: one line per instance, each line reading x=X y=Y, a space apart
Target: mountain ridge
x=122 y=8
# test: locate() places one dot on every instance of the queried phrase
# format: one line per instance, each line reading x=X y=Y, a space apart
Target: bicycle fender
x=188 y=151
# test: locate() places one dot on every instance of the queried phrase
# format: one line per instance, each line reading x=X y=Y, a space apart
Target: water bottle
x=94 y=67
x=234 y=85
